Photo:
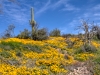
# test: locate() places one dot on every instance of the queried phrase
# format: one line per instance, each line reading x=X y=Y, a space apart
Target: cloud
x=97 y=14
x=59 y=3
x=44 y=8
x=97 y=7
x=16 y=13
x=69 y=7
x=49 y=5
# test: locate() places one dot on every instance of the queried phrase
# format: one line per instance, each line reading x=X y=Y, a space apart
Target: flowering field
x=48 y=57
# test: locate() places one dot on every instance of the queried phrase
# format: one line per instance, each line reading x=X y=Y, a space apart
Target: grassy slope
x=53 y=56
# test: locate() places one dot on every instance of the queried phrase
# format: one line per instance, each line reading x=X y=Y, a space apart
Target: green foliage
x=5 y=54
x=10 y=45
x=67 y=35
x=79 y=50
x=55 y=33
x=34 y=48
x=40 y=34
x=97 y=69
x=97 y=60
x=24 y=34
x=88 y=48
x=19 y=53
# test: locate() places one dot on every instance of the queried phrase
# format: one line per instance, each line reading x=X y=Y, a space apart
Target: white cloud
x=69 y=7
x=44 y=8
x=16 y=13
x=50 y=5
x=97 y=7
x=97 y=14
x=58 y=3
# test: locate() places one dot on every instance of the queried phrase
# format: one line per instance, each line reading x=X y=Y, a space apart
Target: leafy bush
x=97 y=69
x=24 y=34
x=19 y=53
x=40 y=34
x=88 y=48
x=55 y=33
x=5 y=54
x=67 y=35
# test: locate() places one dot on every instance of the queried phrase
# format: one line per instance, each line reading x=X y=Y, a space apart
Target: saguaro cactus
x=32 y=22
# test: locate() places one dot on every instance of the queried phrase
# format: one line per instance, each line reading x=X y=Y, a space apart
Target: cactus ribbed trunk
x=32 y=21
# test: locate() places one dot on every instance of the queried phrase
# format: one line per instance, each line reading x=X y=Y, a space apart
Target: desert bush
x=19 y=53
x=5 y=54
x=67 y=35
x=79 y=50
x=88 y=48
x=55 y=33
x=70 y=43
x=42 y=34
x=96 y=69
x=24 y=34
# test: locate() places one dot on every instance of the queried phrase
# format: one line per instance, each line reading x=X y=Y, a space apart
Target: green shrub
x=24 y=34
x=55 y=33
x=42 y=34
x=10 y=45
x=5 y=54
x=85 y=48
x=67 y=35
x=97 y=69
x=88 y=48
x=78 y=50
x=19 y=53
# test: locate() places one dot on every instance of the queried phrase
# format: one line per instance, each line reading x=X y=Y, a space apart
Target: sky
x=64 y=15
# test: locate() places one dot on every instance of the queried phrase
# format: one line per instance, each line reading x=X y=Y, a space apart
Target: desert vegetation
x=39 y=52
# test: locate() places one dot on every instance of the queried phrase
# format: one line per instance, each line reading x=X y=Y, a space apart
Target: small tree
x=9 y=32
x=55 y=33
x=87 y=36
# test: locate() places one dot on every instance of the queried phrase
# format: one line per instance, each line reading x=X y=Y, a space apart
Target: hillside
x=49 y=57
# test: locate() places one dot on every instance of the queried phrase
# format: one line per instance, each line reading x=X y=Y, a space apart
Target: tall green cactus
x=32 y=21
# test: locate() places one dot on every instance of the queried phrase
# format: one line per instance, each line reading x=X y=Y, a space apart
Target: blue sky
x=65 y=15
